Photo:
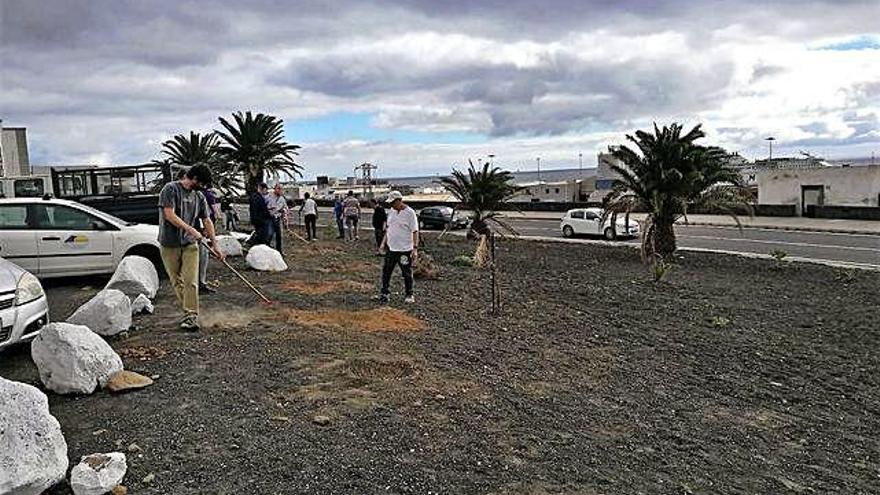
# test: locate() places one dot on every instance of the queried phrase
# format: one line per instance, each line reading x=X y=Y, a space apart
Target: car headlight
x=28 y=289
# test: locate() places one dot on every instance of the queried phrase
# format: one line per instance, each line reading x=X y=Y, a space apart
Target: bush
x=660 y=269
x=463 y=260
x=778 y=254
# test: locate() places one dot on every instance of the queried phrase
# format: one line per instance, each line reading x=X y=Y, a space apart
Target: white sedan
x=60 y=238
x=23 y=306
x=588 y=221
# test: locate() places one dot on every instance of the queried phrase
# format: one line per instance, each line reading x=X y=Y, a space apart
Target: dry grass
x=321 y=288
x=369 y=320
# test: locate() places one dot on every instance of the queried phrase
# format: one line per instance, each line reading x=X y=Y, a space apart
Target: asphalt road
x=826 y=247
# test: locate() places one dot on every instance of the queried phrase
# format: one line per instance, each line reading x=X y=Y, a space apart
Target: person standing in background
x=204 y=254
x=352 y=211
x=309 y=210
x=260 y=217
x=379 y=219
x=402 y=240
x=277 y=205
x=337 y=213
x=229 y=213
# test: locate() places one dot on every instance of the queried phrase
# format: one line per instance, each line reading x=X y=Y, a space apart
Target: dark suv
x=438 y=217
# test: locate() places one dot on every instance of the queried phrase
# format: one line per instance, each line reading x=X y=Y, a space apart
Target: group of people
x=189 y=210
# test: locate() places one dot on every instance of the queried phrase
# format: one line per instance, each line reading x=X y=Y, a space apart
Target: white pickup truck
x=59 y=238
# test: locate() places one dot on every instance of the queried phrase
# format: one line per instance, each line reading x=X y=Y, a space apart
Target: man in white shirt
x=277 y=204
x=309 y=211
x=400 y=245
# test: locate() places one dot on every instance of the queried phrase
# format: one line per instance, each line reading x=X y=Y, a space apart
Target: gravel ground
x=731 y=376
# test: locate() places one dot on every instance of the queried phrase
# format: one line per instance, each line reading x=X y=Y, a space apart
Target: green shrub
x=463 y=260
x=778 y=254
x=660 y=269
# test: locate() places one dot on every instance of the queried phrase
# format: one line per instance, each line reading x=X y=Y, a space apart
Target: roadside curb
x=734 y=226
x=789 y=259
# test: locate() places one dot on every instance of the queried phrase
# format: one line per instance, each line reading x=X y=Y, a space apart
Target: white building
x=826 y=186
x=555 y=192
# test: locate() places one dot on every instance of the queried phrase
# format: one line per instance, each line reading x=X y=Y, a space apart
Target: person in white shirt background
x=309 y=211
x=400 y=246
x=277 y=205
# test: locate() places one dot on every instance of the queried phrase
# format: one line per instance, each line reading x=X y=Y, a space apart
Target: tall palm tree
x=482 y=191
x=666 y=176
x=186 y=151
x=254 y=145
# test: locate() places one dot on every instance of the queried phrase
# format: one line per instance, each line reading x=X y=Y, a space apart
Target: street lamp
x=580 y=164
x=539 y=168
x=770 y=142
x=491 y=160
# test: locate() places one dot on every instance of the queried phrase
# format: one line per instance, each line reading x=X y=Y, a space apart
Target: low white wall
x=843 y=186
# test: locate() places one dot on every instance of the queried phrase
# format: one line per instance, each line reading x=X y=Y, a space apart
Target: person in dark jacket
x=379 y=219
x=261 y=219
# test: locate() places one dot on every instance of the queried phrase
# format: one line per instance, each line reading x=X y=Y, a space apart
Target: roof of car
x=8 y=201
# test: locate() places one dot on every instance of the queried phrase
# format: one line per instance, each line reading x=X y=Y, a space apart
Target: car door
x=576 y=220
x=71 y=241
x=592 y=223
x=18 y=241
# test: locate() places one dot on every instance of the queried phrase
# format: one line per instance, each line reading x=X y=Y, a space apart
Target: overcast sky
x=420 y=86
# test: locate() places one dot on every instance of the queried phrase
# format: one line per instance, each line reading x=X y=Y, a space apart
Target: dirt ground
x=732 y=376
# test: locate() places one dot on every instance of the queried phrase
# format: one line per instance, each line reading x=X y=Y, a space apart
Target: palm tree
x=186 y=151
x=482 y=191
x=669 y=174
x=254 y=146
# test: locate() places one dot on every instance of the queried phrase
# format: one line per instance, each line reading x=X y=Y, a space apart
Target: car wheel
x=567 y=231
x=609 y=234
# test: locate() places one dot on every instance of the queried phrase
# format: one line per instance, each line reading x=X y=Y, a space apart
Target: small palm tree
x=254 y=146
x=669 y=174
x=482 y=191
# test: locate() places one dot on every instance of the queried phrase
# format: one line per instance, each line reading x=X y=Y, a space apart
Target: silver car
x=23 y=306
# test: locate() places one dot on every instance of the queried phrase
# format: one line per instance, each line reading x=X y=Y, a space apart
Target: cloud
x=108 y=80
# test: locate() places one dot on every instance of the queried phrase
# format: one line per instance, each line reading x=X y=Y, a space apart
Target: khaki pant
x=182 y=265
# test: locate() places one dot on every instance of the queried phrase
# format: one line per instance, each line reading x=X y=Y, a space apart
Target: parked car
x=59 y=238
x=438 y=217
x=588 y=221
x=23 y=306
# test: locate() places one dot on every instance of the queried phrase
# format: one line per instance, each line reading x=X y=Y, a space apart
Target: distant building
x=14 y=159
x=569 y=191
x=605 y=177
x=826 y=186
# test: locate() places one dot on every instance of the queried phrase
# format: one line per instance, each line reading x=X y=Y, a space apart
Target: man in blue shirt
x=337 y=212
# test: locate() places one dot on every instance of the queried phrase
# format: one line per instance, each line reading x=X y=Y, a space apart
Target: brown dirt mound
x=369 y=320
x=321 y=288
x=141 y=353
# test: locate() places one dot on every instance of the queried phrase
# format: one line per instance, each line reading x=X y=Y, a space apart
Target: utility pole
x=491 y=160
x=580 y=164
x=770 y=142
x=539 y=168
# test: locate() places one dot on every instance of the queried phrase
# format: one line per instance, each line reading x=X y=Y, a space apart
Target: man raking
x=182 y=209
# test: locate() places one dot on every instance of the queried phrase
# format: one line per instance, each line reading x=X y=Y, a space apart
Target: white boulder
x=229 y=245
x=108 y=313
x=33 y=453
x=141 y=304
x=73 y=359
x=98 y=474
x=135 y=275
x=264 y=258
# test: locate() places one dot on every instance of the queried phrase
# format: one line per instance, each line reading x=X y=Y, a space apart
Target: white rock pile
x=134 y=276
x=108 y=313
x=33 y=453
x=72 y=359
x=264 y=258
x=98 y=474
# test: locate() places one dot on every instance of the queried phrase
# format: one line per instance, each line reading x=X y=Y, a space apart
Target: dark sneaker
x=206 y=289
x=190 y=323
